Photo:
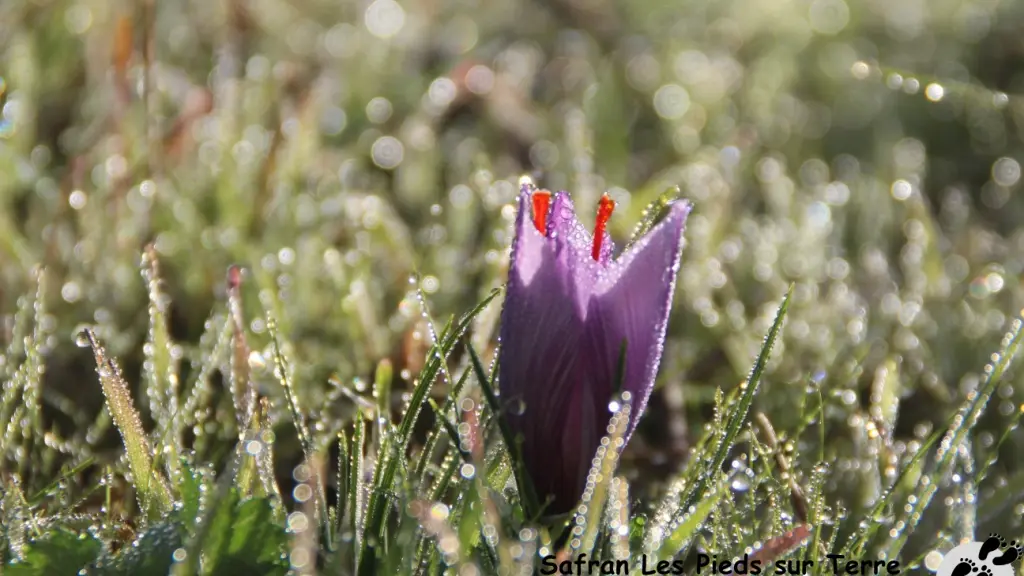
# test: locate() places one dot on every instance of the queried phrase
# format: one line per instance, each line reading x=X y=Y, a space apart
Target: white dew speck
x=934 y=92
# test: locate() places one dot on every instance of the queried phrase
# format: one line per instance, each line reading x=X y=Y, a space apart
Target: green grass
x=252 y=258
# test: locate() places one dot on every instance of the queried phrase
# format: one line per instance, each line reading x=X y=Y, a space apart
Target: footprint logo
x=990 y=557
x=991 y=544
x=1010 y=555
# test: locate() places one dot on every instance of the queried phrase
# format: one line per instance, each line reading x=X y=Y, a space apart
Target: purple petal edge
x=666 y=235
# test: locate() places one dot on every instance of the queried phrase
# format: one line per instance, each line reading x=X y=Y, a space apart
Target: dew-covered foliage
x=252 y=256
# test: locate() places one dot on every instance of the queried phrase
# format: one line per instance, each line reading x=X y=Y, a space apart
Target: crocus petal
x=563 y=324
x=632 y=303
x=541 y=328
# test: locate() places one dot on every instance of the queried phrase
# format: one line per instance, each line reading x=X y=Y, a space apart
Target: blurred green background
x=867 y=151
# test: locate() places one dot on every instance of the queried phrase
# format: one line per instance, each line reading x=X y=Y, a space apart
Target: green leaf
x=151 y=553
x=257 y=543
x=60 y=553
x=690 y=523
x=469 y=523
x=244 y=539
x=189 y=494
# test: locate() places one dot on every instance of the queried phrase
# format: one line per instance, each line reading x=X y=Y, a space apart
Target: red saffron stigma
x=604 y=211
x=541 y=201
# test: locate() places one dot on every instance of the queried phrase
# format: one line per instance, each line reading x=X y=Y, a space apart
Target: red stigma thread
x=604 y=211
x=541 y=201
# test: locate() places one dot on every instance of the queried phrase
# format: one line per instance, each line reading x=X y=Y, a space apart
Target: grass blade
x=160 y=370
x=528 y=495
x=154 y=496
x=739 y=414
x=587 y=524
x=960 y=426
x=388 y=460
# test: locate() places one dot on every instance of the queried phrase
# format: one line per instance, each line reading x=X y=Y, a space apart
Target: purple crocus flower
x=570 y=306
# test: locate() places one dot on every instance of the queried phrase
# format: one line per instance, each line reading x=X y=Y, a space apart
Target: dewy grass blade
x=342 y=483
x=976 y=401
x=382 y=378
x=454 y=435
x=357 y=486
x=1008 y=431
x=422 y=464
x=690 y=521
x=588 y=520
x=35 y=365
x=160 y=369
x=960 y=426
x=422 y=299
x=252 y=478
x=859 y=538
x=243 y=393
x=65 y=476
x=444 y=477
x=17 y=332
x=282 y=370
x=587 y=524
x=739 y=413
x=13 y=511
x=651 y=214
x=153 y=492
x=9 y=403
x=617 y=518
x=212 y=345
x=388 y=460
x=527 y=494
x=665 y=513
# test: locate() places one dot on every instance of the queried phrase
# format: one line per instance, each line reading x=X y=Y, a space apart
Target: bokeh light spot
x=384 y=18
